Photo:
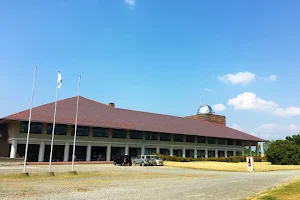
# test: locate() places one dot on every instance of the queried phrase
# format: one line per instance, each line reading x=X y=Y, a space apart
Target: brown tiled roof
x=92 y=113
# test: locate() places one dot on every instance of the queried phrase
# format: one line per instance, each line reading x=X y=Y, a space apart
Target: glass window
x=200 y=139
x=190 y=138
x=136 y=134
x=165 y=136
x=230 y=142
x=100 y=132
x=35 y=127
x=119 y=133
x=178 y=138
x=239 y=142
x=221 y=141
x=60 y=129
x=151 y=136
x=212 y=140
x=81 y=130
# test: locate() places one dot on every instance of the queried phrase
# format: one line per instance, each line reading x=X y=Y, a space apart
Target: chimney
x=111 y=105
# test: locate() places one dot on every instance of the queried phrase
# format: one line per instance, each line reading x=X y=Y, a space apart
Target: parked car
x=143 y=160
x=123 y=160
x=156 y=160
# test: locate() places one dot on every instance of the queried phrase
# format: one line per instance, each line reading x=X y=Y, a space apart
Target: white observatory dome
x=204 y=109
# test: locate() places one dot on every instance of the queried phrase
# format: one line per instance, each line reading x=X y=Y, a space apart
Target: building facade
x=105 y=132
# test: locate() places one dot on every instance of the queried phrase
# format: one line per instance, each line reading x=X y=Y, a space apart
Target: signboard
x=250 y=163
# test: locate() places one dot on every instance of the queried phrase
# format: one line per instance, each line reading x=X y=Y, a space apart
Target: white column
x=126 y=149
x=171 y=151
x=66 y=152
x=183 y=152
x=225 y=153
x=216 y=153
x=88 y=152
x=108 y=152
x=195 y=152
x=262 y=150
x=243 y=152
x=234 y=152
x=13 y=148
x=157 y=149
x=41 y=151
x=206 y=153
x=257 y=150
x=143 y=150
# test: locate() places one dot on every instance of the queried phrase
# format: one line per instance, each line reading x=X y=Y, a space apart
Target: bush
x=284 y=152
x=234 y=159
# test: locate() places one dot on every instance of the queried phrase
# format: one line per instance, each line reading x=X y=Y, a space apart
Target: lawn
x=289 y=191
x=225 y=166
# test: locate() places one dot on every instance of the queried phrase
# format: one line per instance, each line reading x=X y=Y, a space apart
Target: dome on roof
x=204 y=109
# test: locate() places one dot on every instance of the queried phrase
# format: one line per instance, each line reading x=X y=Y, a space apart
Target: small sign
x=250 y=163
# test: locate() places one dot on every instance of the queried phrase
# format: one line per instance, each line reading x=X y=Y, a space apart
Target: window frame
x=168 y=137
x=199 y=140
x=151 y=134
x=99 y=134
x=190 y=136
x=132 y=132
x=122 y=132
x=178 y=135
x=209 y=138
x=56 y=128
x=33 y=127
x=78 y=129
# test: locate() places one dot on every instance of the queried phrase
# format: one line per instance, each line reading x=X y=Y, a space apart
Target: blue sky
x=158 y=56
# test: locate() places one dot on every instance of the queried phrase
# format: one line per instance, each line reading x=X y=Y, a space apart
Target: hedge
x=234 y=159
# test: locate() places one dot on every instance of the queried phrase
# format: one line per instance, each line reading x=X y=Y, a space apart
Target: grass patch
x=289 y=191
x=233 y=167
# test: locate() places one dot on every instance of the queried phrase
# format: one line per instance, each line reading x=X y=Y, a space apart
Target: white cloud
x=270 y=78
x=249 y=101
x=245 y=78
x=238 y=78
x=275 y=131
x=219 y=107
x=236 y=127
x=130 y=2
x=288 y=112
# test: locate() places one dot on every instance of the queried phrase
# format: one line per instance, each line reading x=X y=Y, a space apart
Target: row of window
x=61 y=129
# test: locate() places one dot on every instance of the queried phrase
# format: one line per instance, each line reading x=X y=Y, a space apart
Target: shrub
x=284 y=152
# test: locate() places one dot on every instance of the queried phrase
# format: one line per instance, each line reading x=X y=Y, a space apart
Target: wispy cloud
x=236 y=127
x=130 y=2
x=244 y=78
x=219 y=107
x=288 y=112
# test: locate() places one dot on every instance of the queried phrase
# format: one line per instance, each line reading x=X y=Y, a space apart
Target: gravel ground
x=149 y=183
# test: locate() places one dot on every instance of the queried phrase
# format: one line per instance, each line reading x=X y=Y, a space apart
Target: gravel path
x=167 y=183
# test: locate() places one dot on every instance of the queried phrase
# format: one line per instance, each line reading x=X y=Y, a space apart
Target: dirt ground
x=135 y=182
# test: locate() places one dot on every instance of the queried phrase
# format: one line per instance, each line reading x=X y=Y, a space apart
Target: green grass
x=289 y=191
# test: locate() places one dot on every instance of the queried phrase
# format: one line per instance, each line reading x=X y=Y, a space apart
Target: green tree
x=285 y=152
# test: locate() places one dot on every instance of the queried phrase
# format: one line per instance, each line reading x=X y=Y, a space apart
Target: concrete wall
x=15 y=135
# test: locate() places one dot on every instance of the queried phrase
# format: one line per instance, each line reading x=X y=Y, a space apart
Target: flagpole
x=75 y=133
x=29 y=121
x=53 y=128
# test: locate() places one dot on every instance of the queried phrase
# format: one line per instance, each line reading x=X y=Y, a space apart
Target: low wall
x=4 y=161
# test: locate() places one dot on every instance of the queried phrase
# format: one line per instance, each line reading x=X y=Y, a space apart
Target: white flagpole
x=75 y=133
x=53 y=128
x=29 y=121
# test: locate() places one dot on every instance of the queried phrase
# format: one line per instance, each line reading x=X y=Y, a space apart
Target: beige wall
x=14 y=132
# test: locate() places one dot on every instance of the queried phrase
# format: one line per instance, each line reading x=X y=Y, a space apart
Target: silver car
x=156 y=160
x=143 y=160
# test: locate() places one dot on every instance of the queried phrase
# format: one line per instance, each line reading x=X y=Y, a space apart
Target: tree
x=285 y=152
